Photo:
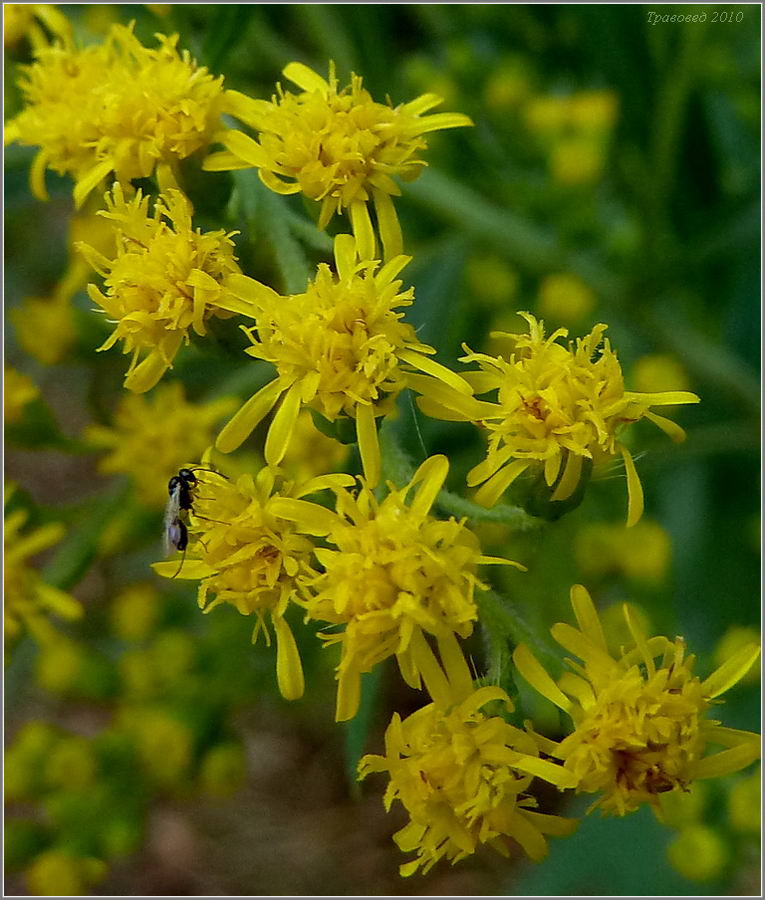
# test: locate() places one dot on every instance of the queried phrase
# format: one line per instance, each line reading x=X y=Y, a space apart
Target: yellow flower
x=557 y=408
x=28 y=599
x=392 y=573
x=58 y=872
x=23 y=20
x=698 y=853
x=660 y=372
x=244 y=552
x=341 y=348
x=463 y=775
x=116 y=107
x=44 y=328
x=18 y=391
x=643 y=552
x=165 y=279
x=135 y=611
x=339 y=147
x=639 y=726
x=565 y=298
x=152 y=437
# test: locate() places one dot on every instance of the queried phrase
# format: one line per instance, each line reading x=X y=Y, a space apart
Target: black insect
x=179 y=504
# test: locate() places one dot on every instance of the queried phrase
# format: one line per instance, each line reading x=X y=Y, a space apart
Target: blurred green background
x=612 y=176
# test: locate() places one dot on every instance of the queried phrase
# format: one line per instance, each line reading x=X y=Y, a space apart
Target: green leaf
x=80 y=547
x=356 y=731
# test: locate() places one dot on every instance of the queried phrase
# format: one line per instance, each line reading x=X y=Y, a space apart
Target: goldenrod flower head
x=392 y=573
x=744 y=803
x=24 y=19
x=58 y=871
x=45 y=328
x=18 y=390
x=660 y=372
x=335 y=145
x=698 y=852
x=151 y=437
x=565 y=298
x=116 y=107
x=556 y=407
x=165 y=278
x=643 y=552
x=244 y=552
x=463 y=775
x=639 y=716
x=341 y=348
x=27 y=598
x=164 y=743
x=577 y=160
x=135 y=611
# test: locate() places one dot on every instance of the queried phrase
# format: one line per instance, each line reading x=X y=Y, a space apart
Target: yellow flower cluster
x=28 y=600
x=639 y=726
x=340 y=348
x=151 y=437
x=164 y=279
x=463 y=774
x=336 y=146
x=115 y=108
x=557 y=408
x=19 y=390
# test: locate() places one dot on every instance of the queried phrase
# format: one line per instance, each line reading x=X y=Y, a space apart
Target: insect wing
x=172 y=533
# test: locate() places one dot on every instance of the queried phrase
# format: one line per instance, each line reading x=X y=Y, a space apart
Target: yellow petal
x=530 y=668
x=91 y=179
x=432 y=674
x=439 y=121
x=587 y=616
x=430 y=476
x=283 y=426
x=552 y=467
x=305 y=78
x=570 y=479
x=245 y=148
x=241 y=425
x=634 y=490
x=731 y=671
x=362 y=230
x=388 y=225
x=549 y=771
x=431 y=367
x=492 y=490
x=289 y=670
x=37 y=176
x=662 y=398
x=345 y=255
x=310 y=517
x=728 y=761
x=223 y=161
x=147 y=373
x=456 y=667
x=348 y=695
x=670 y=428
x=369 y=446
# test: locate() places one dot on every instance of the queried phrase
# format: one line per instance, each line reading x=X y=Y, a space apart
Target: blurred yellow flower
x=18 y=391
x=507 y=86
x=341 y=348
x=165 y=279
x=557 y=407
x=243 y=551
x=152 y=436
x=24 y=20
x=28 y=600
x=337 y=146
x=59 y=872
x=392 y=573
x=44 y=328
x=135 y=610
x=698 y=852
x=643 y=552
x=491 y=280
x=565 y=298
x=59 y=665
x=745 y=803
x=115 y=107
x=577 y=160
x=223 y=769
x=660 y=372
x=639 y=727
x=463 y=774
x=164 y=743
x=734 y=638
